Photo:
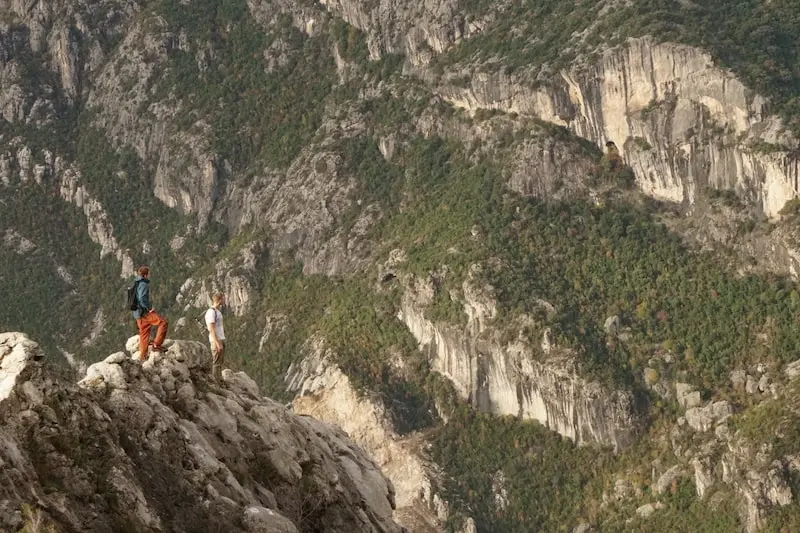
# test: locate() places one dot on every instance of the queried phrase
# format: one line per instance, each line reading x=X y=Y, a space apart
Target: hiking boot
x=158 y=349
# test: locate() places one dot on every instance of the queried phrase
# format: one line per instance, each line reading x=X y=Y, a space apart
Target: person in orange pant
x=146 y=316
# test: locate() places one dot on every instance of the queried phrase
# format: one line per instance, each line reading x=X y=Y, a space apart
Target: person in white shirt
x=216 y=335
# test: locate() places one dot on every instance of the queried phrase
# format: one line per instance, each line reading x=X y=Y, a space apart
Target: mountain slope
x=429 y=192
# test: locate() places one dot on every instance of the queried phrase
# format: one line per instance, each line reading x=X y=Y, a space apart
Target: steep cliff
x=158 y=447
x=682 y=123
x=517 y=378
x=21 y=167
x=325 y=392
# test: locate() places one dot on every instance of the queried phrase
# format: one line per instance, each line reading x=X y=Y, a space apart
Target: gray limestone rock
x=648 y=509
x=611 y=325
x=211 y=448
x=704 y=418
x=261 y=520
x=553 y=391
x=739 y=378
x=687 y=396
x=792 y=370
x=665 y=480
x=703 y=475
x=752 y=385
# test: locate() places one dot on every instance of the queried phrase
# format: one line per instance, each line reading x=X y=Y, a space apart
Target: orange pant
x=144 y=324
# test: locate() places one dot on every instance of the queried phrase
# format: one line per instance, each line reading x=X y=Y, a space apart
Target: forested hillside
x=556 y=241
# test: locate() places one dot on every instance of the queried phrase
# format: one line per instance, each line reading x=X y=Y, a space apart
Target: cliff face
x=325 y=392
x=417 y=30
x=517 y=378
x=158 y=447
x=682 y=123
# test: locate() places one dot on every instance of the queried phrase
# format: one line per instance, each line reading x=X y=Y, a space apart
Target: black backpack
x=133 y=301
x=200 y=320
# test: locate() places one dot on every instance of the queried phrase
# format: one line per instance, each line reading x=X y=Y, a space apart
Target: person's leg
x=217 y=360
x=161 y=323
x=144 y=337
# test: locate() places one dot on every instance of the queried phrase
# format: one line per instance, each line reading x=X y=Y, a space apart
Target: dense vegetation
x=256 y=114
x=511 y=476
x=591 y=262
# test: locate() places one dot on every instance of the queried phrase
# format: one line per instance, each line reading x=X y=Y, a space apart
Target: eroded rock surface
x=157 y=447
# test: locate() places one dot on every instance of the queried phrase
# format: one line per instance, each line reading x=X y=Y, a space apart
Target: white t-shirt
x=213 y=316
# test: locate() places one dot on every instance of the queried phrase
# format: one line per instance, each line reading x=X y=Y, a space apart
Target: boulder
x=687 y=396
x=258 y=519
x=704 y=418
x=665 y=480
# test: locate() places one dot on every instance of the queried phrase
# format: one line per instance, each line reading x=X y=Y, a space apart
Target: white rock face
x=17 y=351
x=760 y=482
x=166 y=440
x=703 y=476
x=704 y=418
x=416 y=29
x=325 y=392
x=697 y=119
x=792 y=370
x=232 y=276
x=513 y=379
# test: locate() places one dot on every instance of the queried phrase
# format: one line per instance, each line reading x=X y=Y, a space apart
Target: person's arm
x=143 y=295
x=212 y=329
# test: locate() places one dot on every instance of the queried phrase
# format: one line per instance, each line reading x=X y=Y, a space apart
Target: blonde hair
x=217 y=298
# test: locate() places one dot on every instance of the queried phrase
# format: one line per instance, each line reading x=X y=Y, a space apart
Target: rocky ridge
x=158 y=447
x=720 y=449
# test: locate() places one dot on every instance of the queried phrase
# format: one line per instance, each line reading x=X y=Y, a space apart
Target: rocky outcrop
x=680 y=122
x=325 y=392
x=157 y=447
x=760 y=482
x=130 y=105
x=515 y=378
x=418 y=29
x=535 y=162
x=64 y=42
x=303 y=205
x=123 y=87
x=727 y=460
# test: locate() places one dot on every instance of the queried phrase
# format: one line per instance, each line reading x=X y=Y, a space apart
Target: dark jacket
x=143 y=297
